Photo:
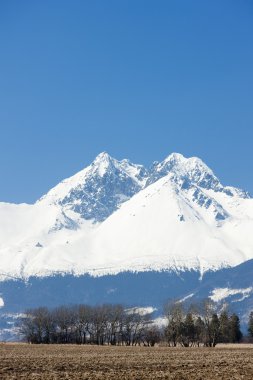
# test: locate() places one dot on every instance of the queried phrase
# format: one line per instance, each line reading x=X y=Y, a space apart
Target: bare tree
x=174 y=313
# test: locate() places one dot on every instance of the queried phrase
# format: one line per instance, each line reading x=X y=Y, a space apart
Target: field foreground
x=21 y=361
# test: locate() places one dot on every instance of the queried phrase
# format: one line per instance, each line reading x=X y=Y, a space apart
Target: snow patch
x=141 y=310
x=161 y=322
x=186 y=297
x=220 y=294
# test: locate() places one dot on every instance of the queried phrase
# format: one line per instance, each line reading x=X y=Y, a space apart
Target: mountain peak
x=188 y=171
x=103 y=156
x=98 y=190
x=175 y=157
x=191 y=163
x=102 y=162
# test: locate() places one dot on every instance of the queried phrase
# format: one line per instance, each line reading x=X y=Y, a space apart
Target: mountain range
x=115 y=219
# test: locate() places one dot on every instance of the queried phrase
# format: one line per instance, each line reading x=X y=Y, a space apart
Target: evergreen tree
x=224 y=328
x=235 y=331
x=199 y=331
x=250 y=325
x=214 y=330
x=190 y=328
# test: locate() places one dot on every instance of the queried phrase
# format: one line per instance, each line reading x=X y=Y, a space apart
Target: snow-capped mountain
x=118 y=232
x=115 y=216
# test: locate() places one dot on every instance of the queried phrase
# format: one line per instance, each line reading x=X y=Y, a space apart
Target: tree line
x=116 y=325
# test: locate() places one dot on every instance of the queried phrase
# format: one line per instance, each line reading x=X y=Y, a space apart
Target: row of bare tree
x=116 y=325
x=82 y=324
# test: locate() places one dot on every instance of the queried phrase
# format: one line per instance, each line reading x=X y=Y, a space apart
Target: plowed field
x=21 y=361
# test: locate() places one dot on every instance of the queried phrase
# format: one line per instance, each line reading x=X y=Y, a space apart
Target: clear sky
x=136 y=78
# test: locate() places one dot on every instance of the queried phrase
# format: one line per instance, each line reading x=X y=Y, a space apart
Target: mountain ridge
x=121 y=215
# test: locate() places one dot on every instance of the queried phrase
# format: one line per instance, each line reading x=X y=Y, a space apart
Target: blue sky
x=138 y=79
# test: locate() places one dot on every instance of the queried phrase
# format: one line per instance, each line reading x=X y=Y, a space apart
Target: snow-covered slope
x=115 y=216
x=167 y=226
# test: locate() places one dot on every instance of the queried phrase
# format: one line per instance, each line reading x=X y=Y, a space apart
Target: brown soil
x=21 y=361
